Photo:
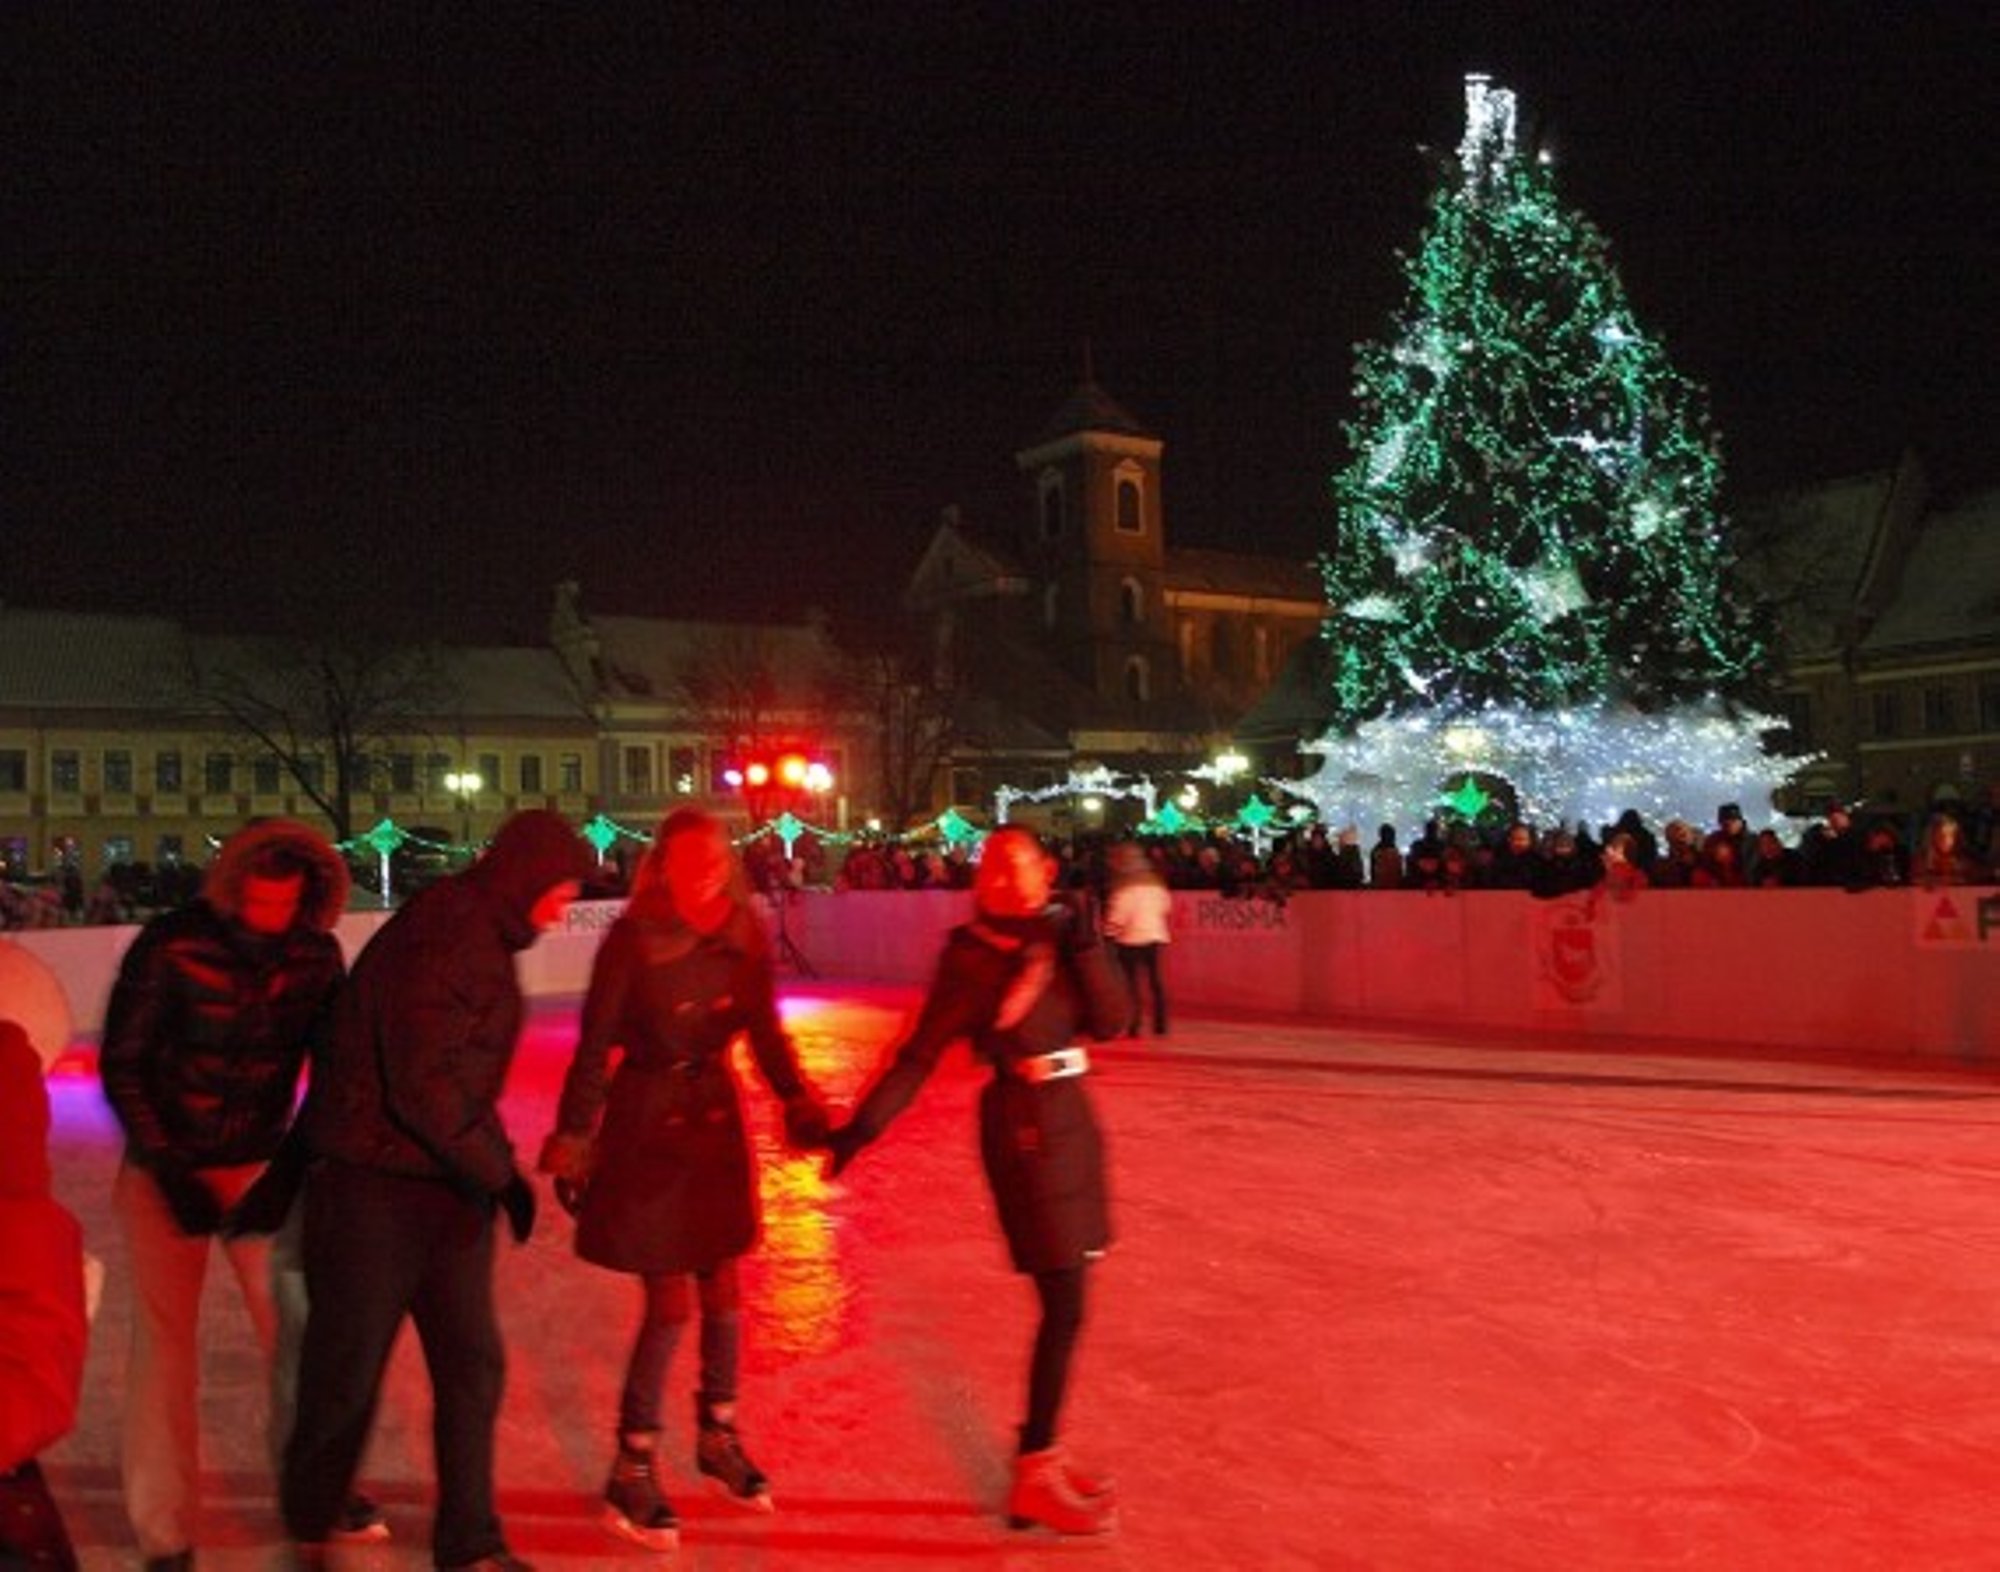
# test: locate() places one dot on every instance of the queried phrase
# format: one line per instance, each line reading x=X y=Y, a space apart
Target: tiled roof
x=69 y=660
x=648 y=657
x=1239 y=573
x=1090 y=408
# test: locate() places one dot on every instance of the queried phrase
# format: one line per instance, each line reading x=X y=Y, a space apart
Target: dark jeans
x=378 y=1248
x=1137 y=961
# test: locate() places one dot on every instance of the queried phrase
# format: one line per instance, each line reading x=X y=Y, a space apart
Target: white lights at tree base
x=1584 y=765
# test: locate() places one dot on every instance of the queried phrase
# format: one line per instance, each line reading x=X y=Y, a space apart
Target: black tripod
x=789 y=954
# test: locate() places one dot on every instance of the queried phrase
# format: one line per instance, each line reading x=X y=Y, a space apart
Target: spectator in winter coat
x=43 y=1332
x=1779 y=867
x=213 y=1013
x=1020 y=982
x=1944 y=857
x=665 y=1189
x=1385 y=861
x=1138 y=915
x=1831 y=849
x=411 y=1164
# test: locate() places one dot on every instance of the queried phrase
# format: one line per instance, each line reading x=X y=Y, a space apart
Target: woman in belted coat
x=1020 y=982
x=666 y=1189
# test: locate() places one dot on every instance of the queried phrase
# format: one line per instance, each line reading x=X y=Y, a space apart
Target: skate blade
x=760 y=1503
x=651 y=1538
x=1100 y=1531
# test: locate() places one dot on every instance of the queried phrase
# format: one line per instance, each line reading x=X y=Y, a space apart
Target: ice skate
x=719 y=1454
x=1044 y=1497
x=634 y=1506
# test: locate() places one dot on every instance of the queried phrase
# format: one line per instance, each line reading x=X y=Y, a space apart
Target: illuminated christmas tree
x=1530 y=579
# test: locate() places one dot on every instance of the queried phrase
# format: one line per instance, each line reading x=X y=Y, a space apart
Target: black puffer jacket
x=208 y=1023
x=425 y=1031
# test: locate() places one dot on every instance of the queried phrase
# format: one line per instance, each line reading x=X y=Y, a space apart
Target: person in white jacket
x=1138 y=913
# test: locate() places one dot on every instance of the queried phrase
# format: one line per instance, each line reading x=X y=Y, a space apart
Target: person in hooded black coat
x=666 y=1189
x=409 y=1165
x=1020 y=982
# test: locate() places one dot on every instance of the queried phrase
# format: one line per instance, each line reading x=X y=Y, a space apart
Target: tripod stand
x=789 y=954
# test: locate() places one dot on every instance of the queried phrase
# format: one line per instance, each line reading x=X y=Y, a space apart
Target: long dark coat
x=673 y=1188
x=1016 y=990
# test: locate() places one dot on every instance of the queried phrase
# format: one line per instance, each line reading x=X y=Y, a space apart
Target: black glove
x=805 y=1122
x=196 y=1211
x=517 y=1200
x=264 y=1207
x=843 y=1144
x=570 y=1193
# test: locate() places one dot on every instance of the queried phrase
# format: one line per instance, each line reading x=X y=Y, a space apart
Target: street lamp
x=465 y=786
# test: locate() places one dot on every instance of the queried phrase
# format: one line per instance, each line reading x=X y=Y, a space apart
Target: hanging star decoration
x=1469 y=801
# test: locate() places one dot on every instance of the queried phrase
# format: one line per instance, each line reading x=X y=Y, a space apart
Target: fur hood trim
x=327 y=878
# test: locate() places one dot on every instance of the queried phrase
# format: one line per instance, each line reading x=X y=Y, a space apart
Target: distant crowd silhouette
x=1843 y=847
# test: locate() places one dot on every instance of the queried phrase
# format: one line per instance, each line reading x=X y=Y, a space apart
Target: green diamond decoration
x=1170 y=820
x=789 y=828
x=1256 y=814
x=1469 y=801
x=956 y=828
x=385 y=837
x=601 y=833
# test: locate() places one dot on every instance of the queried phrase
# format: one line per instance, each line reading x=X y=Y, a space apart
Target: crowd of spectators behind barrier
x=1842 y=848
x=1839 y=850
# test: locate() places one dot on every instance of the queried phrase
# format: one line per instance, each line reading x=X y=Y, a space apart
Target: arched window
x=1131 y=519
x=1136 y=679
x=1221 y=648
x=1132 y=602
x=1052 y=506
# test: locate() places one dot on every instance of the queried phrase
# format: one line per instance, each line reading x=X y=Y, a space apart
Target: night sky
x=330 y=312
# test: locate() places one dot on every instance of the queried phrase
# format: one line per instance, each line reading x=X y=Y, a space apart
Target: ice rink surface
x=1379 y=1299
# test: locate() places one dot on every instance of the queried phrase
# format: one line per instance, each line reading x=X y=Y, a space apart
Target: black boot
x=719 y=1454
x=633 y=1503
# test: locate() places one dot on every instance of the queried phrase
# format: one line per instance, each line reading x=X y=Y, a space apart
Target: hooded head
x=24 y=1117
x=535 y=852
x=269 y=851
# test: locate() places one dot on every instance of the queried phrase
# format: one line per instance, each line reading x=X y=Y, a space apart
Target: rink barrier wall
x=1898 y=973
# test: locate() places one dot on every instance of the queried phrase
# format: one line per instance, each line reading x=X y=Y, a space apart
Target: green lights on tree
x=1532 y=514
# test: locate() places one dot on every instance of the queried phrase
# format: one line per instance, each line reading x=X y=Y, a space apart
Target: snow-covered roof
x=1950 y=590
x=62 y=660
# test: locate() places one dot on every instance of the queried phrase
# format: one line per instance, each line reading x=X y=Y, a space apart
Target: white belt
x=1057 y=1066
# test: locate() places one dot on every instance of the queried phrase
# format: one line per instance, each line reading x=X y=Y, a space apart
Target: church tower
x=1093 y=543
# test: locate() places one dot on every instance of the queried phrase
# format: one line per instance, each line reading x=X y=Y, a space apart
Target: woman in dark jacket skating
x=1020 y=982
x=665 y=1188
